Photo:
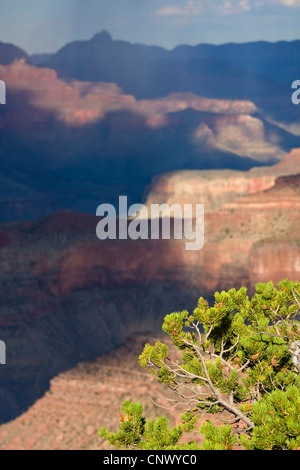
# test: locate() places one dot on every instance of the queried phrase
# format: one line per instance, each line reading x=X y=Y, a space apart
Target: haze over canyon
x=204 y=124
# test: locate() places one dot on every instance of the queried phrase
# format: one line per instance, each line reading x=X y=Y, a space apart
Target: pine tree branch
x=232 y=408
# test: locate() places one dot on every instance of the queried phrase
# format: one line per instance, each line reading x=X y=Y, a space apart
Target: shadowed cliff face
x=73 y=145
x=67 y=296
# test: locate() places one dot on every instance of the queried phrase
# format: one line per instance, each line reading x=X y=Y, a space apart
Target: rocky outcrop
x=78 y=103
x=214 y=188
x=75 y=103
x=242 y=134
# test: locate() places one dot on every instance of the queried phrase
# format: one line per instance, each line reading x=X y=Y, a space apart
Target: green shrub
x=239 y=360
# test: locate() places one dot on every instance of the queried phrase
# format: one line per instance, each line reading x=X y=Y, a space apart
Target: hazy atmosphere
x=149 y=226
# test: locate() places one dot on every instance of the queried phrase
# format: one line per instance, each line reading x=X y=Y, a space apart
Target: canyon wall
x=66 y=296
x=72 y=145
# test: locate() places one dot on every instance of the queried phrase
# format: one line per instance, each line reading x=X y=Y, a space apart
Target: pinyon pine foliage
x=239 y=360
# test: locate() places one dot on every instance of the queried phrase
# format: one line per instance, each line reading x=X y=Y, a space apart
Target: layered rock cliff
x=214 y=188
